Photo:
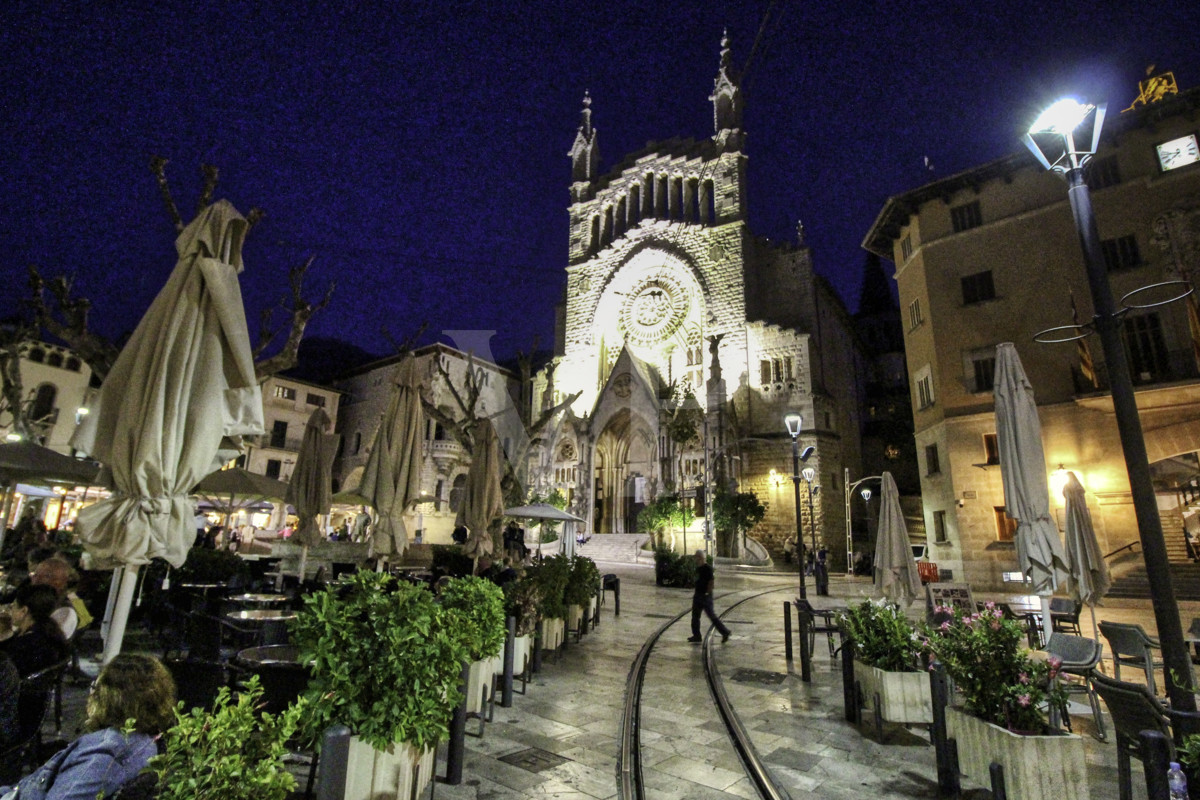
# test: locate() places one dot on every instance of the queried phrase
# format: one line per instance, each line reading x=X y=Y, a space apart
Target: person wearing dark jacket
x=36 y=641
x=702 y=601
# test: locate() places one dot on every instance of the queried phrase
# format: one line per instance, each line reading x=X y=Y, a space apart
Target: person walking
x=702 y=600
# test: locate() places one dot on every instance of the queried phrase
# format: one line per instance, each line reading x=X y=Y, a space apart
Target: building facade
x=991 y=255
x=672 y=301
x=287 y=405
x=56 y=388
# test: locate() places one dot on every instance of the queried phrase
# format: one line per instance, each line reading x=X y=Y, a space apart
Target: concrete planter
x=904 y=697
x=402 y=771
x=522 y=648
x=481 y=675
x=574 y=617
x=1035 y=767
x=553 y=630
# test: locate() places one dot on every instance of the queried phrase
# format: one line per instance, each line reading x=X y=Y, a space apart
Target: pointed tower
x=584 y=154
x=727 y=101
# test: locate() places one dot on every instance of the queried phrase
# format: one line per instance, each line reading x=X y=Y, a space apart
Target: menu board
x=955 y=595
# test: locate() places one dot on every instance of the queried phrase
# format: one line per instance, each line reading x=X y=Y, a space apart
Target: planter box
x=522 y=648
x=574 y=617
x=402 y=771
x=481 y=675
x=553 y=630
x=1035 y=767
x=904 y=697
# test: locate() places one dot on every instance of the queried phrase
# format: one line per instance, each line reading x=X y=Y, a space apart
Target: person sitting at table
x=56 y=573
x=132 y=687
x=36 y=641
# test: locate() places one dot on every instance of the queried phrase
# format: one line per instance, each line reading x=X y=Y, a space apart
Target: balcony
x=289 y=444
x=445 y=453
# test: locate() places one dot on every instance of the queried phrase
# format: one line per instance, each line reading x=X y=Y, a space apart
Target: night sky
x=418 y=150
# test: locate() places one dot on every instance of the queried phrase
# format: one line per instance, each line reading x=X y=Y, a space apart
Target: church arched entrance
x=623 y=466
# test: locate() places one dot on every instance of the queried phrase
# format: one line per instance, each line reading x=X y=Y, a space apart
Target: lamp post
x=793 y=423
x=809 y=474
x=866 y=496
x=1052 y=139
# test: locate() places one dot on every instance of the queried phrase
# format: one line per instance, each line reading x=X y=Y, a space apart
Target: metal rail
x=629 y=756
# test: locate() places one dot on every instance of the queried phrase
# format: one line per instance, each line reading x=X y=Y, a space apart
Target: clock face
x=1178 y=152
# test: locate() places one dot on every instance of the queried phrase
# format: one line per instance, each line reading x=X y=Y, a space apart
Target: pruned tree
x=66 y=316
x=14 y=407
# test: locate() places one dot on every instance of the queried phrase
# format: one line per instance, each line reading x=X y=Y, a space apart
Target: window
x=978 y=287
x=1006 y=526
x=1120 y=253
x=285 y=392
x=438 y=492
x=1102 y=173
x=42 y=409
x=966 y=216
x=279 y=433
x=456 y=492
x=37 y=355
x=787 y=368
x=991 y=449
x=939 y=527
x=1146 y=348
x=357 y=442
x=54 y=360
x=315 y=400
x=906 y=248
x=764 y=372
x=981 y=371
x=273 y=467
x=73 y=364
x=915 y=317
x=777 y=369
x=932 y=467
x=924 y=384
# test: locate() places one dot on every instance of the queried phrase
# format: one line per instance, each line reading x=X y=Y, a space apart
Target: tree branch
x=302 y=311
x=158 y=165
x=99 y=353
x=211 y=175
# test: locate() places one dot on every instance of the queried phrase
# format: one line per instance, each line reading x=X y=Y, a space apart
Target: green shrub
x=477 y=606
x=883 y=637
x=229 y=753
x=672 y=569
x=448 y=559
x=210 y=566
x=385 y=661
x=521 y=600
x=551 y=577
x=583 y=583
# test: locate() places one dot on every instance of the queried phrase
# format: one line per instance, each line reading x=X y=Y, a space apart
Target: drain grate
x=762 y=676
x=534 y=759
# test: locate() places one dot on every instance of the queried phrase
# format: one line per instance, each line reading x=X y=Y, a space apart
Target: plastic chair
x=1130 y=646
x=1064 y=615
x=33 y=701
x=1080 y=657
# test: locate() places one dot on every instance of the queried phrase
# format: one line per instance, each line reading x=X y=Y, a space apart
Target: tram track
x=629 y=758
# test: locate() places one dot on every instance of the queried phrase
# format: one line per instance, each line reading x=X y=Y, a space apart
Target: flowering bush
x=882 y=636
x=982 y=653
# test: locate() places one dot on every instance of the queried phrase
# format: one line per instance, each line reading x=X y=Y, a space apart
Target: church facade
x=672 y=303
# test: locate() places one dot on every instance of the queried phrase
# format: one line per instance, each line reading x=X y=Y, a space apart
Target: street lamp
x=793 y=423
x=1052 y=139
x=866 y=496
x=809 y=474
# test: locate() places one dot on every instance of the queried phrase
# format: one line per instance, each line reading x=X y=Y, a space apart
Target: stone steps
x=614 y=547
x=1185 y=579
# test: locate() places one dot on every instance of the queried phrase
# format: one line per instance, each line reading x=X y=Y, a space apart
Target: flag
x=1086 y=365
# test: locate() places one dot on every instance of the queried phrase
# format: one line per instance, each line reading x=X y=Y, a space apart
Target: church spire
x=727 y=100
x=585 y=152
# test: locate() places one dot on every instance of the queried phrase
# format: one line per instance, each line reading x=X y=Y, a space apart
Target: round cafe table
x=270 y=654
x=261 y=615
x=257 y=598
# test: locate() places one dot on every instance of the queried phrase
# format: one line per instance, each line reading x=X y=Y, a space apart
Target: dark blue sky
x=418 y=150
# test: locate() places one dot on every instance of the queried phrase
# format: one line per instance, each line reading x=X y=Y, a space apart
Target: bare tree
x=65 y=316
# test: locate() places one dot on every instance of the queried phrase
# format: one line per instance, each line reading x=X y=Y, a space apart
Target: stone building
x=287 y=405
x=56 y=389
x=991 y=255
x=670 y=295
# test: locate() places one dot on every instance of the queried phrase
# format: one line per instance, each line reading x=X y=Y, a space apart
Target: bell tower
x=584 y=154
x=727 y=101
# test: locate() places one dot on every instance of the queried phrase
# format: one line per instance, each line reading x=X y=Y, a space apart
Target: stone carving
x=1177 y=233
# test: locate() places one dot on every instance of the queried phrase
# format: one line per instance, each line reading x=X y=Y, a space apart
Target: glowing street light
x=794 y=422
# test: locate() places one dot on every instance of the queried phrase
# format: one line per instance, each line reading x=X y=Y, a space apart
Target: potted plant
x=582 y=585
x=229 y=753
x=1006 y=695
x=476 y=608
x=887 y=658
x=521 y=601
x=386 y=661
x=551 y=576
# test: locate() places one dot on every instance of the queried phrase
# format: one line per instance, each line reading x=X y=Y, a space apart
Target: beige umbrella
x=1023 y=473
x=28 y=462
x=392 y=478
x=1085 y=560
x=544 y=512
x=896 y=574
x=482 y=501
x=228 y=490
x=310 y=490
x=173 y=408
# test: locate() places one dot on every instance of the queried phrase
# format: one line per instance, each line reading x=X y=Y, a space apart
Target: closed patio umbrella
x=392 y=477
x=1085 y=561
x=896 y=575
x=228 y=490
x=544 y=512
x=482 y=500
x=310 y=490
x=172 y=409
x=1023 y=473
x=26 y=461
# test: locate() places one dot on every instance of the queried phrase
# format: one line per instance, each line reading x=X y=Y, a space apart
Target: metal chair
x=33 y=701
x=1064 y=615
x=1130 y=646
x=1135 y=709
x=1080 y=657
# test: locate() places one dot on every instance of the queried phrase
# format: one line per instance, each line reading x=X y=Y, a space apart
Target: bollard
x=458 y=735
x=803 y=622
x=849 y=689
x=536 y=664
x=1156 y=760
x=335 y=751
x=506 y=690
x=787 y=632
x=943 y=748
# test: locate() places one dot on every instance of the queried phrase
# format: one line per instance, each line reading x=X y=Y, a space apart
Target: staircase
x=1185 y=578
x=615 y=547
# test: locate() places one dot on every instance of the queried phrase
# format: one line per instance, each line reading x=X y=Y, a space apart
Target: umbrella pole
x=113 y=585
x=120 y=616
x=303 y=562
x=1047 y=622
x=9 y=494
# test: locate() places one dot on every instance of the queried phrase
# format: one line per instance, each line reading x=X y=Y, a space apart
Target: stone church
x=671 y=301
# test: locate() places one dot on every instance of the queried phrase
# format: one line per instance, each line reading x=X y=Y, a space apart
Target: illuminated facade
x=991 y=255
x=56 y=388
x=669 y=294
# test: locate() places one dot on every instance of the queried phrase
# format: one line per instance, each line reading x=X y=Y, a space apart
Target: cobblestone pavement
x=560 y=739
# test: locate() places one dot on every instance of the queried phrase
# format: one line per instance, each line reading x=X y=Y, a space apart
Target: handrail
x=1130 y=546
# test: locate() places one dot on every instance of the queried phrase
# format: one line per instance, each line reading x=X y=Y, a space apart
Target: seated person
x=57 y=574
x=132 y=687
x=36 y=641
x=10 y=684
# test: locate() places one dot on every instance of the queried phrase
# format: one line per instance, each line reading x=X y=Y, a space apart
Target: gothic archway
x=625 y=458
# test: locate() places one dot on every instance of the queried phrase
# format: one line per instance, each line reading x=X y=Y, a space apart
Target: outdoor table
x=269 y=654
x=257 y=598
x=261 y=615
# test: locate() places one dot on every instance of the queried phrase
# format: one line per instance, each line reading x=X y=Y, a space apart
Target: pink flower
x=989 y=605
x=1024 y=700
x=995 y=625
x=946 y=625
x=1024 y=677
